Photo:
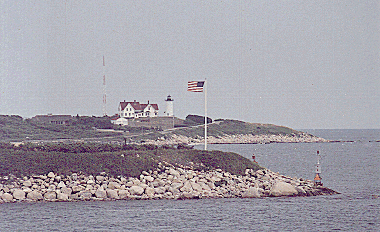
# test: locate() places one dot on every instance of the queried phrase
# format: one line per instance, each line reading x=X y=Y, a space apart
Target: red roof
x=136 y=105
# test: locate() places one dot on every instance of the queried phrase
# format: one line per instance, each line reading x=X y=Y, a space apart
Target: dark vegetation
x=223 y=127
x=196 y=120
x=126 y=160
x=15 y=128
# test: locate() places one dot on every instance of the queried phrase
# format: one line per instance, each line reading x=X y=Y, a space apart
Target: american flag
x=195 y=86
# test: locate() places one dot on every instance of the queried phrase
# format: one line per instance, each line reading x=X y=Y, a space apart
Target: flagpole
x=205 y=114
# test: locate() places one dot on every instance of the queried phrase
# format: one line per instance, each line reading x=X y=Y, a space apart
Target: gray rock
x=196 y=187
x=50 y=195
x=149 y=192
x=66 y=190
x=34 y=195
x=99 y=178
x=136 y=190
x=251 y=192
x=112 y=194
x=18 y=194
x=186 y=187
x=113 y=185
x=7 y=197
x=283 y=189
x=160 y=190
x=58 y=178
x=6 y=189
x=85 y=195
x=101 y=193
x=123 y=194
x=27 y=183
x=74 y=176
x=51 y=175
x=149 y=178
x=90 y=181
x=173 y=172
x=77 y=188
x=176 y=185
x=61 y=185
x=62 y=197
x=204 y=186
x=26 y=190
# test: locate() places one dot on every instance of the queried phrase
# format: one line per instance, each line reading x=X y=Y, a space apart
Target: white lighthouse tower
x=169 y=106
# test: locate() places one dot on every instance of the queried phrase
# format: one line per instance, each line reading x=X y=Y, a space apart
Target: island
x=33 y=172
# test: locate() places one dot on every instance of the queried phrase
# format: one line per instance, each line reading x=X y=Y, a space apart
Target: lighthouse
x=318 y=178
x=169 y=106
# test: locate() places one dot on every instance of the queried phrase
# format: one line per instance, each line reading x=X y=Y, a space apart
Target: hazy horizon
x=306 y=64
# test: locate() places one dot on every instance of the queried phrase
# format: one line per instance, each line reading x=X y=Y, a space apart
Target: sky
x=301 y=64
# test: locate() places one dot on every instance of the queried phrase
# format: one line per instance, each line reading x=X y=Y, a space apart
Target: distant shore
x=239 y=139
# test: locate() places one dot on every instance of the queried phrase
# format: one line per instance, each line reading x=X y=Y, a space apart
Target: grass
x=15 y=128
x=116 y=160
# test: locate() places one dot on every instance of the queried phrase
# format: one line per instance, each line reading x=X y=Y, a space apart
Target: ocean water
x=351 y=168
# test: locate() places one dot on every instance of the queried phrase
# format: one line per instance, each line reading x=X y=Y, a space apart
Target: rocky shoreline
x=167 y=182
x=239 y=139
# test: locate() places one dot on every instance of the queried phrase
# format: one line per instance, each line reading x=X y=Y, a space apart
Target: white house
x=134 y=109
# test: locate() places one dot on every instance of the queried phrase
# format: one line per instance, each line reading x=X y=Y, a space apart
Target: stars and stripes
x=195 y=86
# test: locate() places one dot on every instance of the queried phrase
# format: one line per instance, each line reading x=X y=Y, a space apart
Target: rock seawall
x=168 y=182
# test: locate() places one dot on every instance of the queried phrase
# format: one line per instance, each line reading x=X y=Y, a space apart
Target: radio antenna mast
x=104 y=89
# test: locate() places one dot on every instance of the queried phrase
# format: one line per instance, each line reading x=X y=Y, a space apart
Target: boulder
x=77 y=188
x=251 y=192
x=66 y=190
x=61 y=185
x=99 y=178
x=123 y=194
x=281 y=188
x=149 y=192
x=196 y=187
x=176 y=185
x=7 y=197
x=112 y=194
x=136 y=190
x=18 y=194
x=50 y=196
x=186 y=187
x=51 y=175
x=160 y=190
x=62 y=197
x=74 y=176
x=149 y=178
x=6 y=189
x=90 y=181
x=101 y=193
x=58 y=178
x=34 y=195
x=113 y=185
x=173 y=172
x=204 y=186
x=27 y=183
x=85 y=195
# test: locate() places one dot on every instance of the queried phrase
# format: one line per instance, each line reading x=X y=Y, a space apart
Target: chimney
x=148 y=102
